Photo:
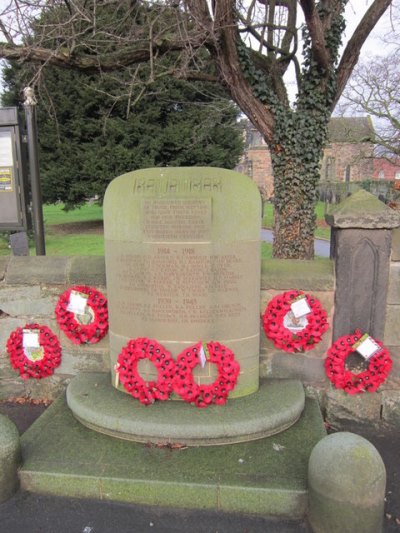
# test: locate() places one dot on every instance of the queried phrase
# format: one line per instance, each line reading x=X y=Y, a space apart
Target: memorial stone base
x=265 y=476
x=275 y=407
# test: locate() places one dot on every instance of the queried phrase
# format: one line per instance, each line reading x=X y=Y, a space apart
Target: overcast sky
x=354 y=11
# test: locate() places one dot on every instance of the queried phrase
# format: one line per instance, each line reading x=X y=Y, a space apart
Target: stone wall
x=354 y=158
x=29 y=290
x=391 y=389
x=30 y=287
x=313 y=277
x=257 y=164
x=341 y=162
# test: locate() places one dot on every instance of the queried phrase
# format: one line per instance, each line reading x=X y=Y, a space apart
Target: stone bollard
x=10 y=458
x=346 y=484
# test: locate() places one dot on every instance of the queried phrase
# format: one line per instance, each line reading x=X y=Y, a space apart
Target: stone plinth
x=266 y=477
x=275 y=407
x=182 y=250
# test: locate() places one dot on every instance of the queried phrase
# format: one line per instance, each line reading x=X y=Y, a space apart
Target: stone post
x=10 y=458
x=346 y=485
x=361 y=246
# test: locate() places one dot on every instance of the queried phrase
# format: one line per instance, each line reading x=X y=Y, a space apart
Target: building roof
x=351 y=129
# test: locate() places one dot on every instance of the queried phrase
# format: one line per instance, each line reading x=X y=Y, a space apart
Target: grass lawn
x=320 y=232
x=266 y=250
x=54 y=214
x=78 y=242
x=74 y=244
x=66 y=243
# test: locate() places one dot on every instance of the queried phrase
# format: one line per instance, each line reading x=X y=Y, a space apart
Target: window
x=330 y=168
x=397 y=175
x=381 y=175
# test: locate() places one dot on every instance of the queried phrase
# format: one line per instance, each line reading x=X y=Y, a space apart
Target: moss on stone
x=362 y=210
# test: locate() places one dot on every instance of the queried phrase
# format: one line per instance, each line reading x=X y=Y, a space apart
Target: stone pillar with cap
x=361 y=246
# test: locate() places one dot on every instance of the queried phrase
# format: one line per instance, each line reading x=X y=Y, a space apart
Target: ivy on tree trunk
x=296 y=176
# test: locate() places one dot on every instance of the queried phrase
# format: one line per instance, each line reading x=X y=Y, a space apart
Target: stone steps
x=265 y=476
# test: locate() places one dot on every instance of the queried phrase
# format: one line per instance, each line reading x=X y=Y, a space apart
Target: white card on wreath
x=202 y=357
x=300 y=307
x=367 y=347
x=30 y=339
x=77 y=303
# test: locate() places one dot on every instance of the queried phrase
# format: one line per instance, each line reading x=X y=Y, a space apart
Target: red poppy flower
x=295 y=339
x=379 y=366
x=216 y=392
x=95 y=325
x=126 y=368
x=44 y=363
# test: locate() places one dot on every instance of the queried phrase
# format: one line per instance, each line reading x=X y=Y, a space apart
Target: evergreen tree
x=86 y=137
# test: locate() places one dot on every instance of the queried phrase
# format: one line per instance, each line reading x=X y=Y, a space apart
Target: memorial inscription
x=176 y=220
x=185 y=268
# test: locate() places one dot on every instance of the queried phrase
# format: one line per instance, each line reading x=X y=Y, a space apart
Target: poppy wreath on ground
x=127 y=370
x=216 y=392
x=88 y=327
x=379 y=366
x=34 y=362
x=291 y=334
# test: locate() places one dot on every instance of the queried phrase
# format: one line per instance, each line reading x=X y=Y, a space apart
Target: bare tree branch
x=374 y=88
x=351 y=54
x=315 y=27
x=231 y=72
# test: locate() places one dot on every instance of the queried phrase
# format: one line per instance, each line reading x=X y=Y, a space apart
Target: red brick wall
x=386 y=170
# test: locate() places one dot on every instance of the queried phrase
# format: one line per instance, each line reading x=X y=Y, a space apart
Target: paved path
x=321 y=247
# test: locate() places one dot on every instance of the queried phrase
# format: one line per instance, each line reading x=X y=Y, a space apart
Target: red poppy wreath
x=34 y=350
x=290 y=330
x=216 y=392
x=82 y=314
x=379 y=366
x=127 y=370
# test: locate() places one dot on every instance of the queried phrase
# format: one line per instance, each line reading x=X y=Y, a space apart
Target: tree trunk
x=296 y=157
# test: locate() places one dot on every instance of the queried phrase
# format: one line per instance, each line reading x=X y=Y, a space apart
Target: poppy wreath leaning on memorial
x=36 y=359
x=127 y=370
x=91 y=324
x=293 y=334
x=216 y=392
x=379 y=366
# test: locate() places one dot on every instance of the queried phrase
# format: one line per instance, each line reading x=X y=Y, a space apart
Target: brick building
x=385 y=169
x=348 y=155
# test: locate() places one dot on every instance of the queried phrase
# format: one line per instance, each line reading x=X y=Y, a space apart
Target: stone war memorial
x=206 y=393
x=182 y=267
x=183 y=270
